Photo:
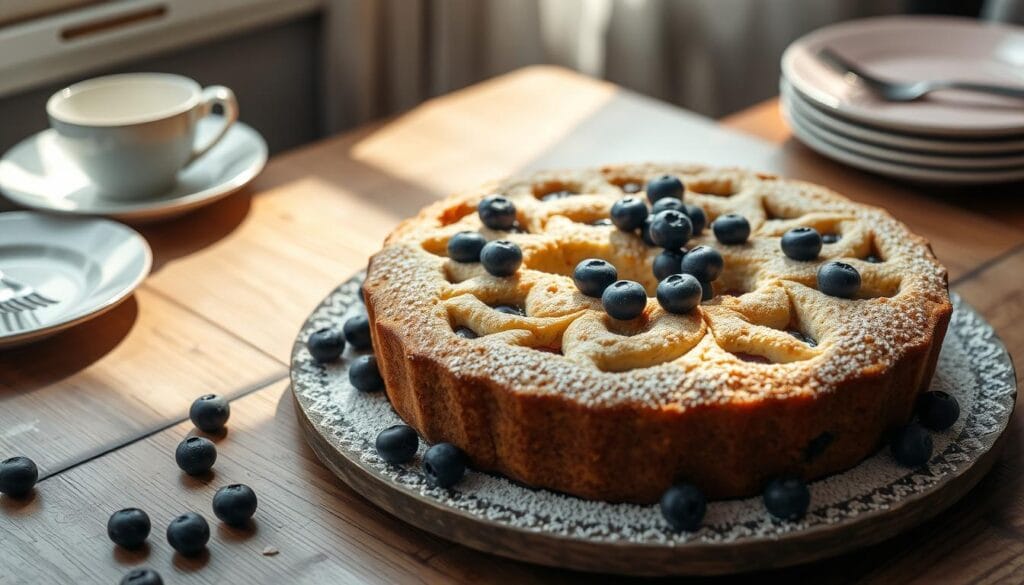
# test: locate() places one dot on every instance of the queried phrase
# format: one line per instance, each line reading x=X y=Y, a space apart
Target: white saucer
x=37 y=174
x=88 y=265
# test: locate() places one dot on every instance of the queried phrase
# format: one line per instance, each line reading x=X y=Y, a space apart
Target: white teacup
x=132 y=133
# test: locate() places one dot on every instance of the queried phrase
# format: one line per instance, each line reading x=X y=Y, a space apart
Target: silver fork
x=16 y=297
x=899 y=91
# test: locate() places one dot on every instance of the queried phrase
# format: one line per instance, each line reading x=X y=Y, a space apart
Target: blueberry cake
x=612 y=332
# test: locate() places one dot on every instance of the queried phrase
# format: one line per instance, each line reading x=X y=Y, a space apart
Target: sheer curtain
x=712 y=56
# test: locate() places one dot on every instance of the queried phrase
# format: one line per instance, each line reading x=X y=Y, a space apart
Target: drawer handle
x=100 y=26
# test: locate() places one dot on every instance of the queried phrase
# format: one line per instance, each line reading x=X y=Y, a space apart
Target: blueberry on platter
x=497 y=212
x=234 y=504
x=937 y=410
x=731 y=229
x=593 y=276
x=679 y=293
x=697 y=217
x=365 y=375
x=466 y=246
x=397 y=444
x=664 y=186
x=188 y=534
x=911 y=445
x=624 y=300
x=787 y=498
x=128 y=528
x=671 y=229
x=628 y=214
x=142 y=576
x=703 y=262
x=645 y=231
x=196 y=455
x=801 y=243
x=501 y=258
x=683 y=506
x=666 y=203
x=210 y=413
x=444 y=465
x=838 y=279
x=667 y=263
x=357 y=332
x=18 y=475
x=325 y=345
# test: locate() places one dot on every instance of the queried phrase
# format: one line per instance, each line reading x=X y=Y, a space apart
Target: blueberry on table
x=645 y=231
x=937 y=410
x=196 y=455
x=708 y=290
x=444 y=465
x=787 y=498
x=703 y=262
x=683 y=506
x=679 y=293
x=501 y=258
x=325 y=345
x=593 y=276
x=210 y=413
x=188 y=534
x=364 y=374
x=466 y=246
x=697 y=217
x=497 y=212
x=666 y=203
x=128 y=528
x=731 y=229
x=624 y=300
x=838 y=279
x=397 y=444
x=629 y=213
x=911 y=445
x=234 y=504
x=667 y=263
x=664 y=186
x=357 y=332
x=142 y=576
x=671 y=229
x=18 y=475
x=801 y=243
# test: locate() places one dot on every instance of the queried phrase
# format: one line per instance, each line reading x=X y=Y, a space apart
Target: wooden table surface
x=101 y=407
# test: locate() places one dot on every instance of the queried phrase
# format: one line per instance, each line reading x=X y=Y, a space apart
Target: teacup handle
x=217 y=94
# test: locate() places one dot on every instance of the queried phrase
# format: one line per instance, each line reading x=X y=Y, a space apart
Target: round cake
x=771 y=375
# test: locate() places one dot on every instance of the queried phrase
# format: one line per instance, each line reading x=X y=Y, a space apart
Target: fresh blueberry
x=704 y=262
x=465 y=332
x=196 y=455
x=838 y=279
x=697 y=217
x=830 y=238
x=664 y=186
x=624 y=300
x=18 y=475
x=787 y=498
x=357 y=332
x=466 y=246
x=210 y=413
x=671 y=229
x=937 y=410
x=801 y=243
x=731 y=228
x=128 y=528
x=444 y=465
x=142 y=576
x=645 y=231
x=188 y=534
x=679 y=293
x=501 y=258
x=397 y=444
x=234 y=504
x=667 y=263
x=911 y=445
x=666 y=203
x=364 y=374
x=497 y=212
x=593 y=276
x=326 y=344
x=510 y=310
x=629 y=213
x=683 y=506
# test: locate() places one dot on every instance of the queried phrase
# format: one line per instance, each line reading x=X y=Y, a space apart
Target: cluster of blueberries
x=444 y=464
x=188 y=533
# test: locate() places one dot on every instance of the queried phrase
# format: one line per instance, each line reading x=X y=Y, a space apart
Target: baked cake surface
x=769 y=377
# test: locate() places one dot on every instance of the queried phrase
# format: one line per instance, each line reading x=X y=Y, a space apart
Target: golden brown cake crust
x=569 y=399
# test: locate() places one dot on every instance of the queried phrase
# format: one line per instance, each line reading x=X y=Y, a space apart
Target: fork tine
x=43 y=300
x=21 y=304
x=5 y=308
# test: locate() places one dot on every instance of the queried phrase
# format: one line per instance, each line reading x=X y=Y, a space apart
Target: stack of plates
x=949 y=137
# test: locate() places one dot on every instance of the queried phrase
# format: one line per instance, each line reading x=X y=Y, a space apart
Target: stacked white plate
x=949 y=137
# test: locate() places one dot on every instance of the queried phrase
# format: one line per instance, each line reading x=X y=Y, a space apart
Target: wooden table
x=100 y=408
